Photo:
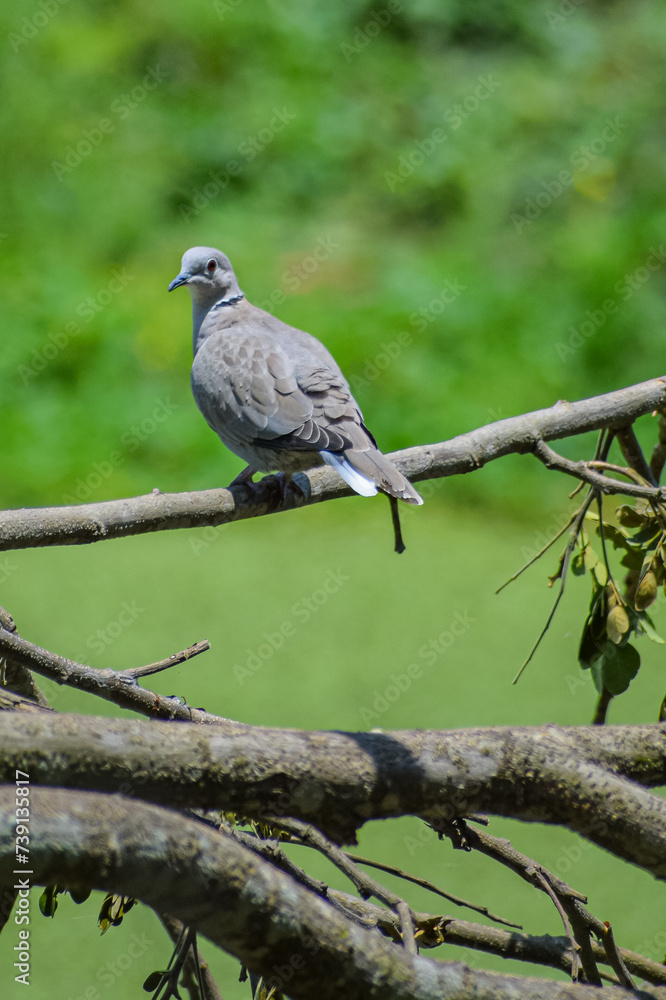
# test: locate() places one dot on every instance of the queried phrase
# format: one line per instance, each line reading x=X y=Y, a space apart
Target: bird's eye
x=211 y=265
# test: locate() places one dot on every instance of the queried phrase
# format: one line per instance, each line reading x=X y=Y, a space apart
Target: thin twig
x=583 y=922
x=602 y=537
x=582 y=932
x=565 y=921
x=563 y=574
x=621 y=470
x=117 y=686
x=309 y=836
x=134 y=673
x=272 y=851
x=587 y=472
x=406 y=927
x=615 y=958
x=431 y=887
x=195 y=969
x=540 y=553
x=432 y=931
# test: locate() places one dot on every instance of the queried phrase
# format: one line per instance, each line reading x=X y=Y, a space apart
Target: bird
x=273 y=394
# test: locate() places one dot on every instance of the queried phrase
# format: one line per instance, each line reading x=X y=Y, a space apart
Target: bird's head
x=208 y=274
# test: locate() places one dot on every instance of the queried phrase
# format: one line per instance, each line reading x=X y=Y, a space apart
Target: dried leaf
x=646 y=592
x=617 y=624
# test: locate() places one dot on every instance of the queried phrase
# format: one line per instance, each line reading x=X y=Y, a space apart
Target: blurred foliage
x=511 y=153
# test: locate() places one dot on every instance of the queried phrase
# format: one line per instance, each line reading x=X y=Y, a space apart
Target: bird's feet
x=284 y=481
x=244 y=477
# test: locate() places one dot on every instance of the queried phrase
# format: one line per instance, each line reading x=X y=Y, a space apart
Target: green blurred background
x=466 y=202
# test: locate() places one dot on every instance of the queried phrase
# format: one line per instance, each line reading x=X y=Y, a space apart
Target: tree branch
x=574 y=777
x=117 y=686
x=587 y=473
x=273 y=925
x=157 y=511
x=540 y=950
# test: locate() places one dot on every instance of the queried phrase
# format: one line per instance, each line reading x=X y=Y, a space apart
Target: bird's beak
x=180 y=279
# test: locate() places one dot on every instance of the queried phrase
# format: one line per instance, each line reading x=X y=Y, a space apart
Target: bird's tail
x=368 y=471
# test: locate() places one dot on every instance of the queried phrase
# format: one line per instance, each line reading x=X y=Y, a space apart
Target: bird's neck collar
x=199 y=313
x=231 y=301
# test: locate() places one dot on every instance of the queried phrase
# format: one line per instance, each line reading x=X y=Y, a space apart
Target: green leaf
x=588 y=650
x=578 y=563
x=153 y=981
x=48 y=901
x=630 y=517
x=644 y=624
x=614 y=534
x=615 y=669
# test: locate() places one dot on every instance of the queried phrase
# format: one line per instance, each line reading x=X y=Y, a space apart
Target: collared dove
x=273 y=394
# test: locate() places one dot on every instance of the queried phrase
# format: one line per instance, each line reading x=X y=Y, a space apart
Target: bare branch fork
x=157 y=511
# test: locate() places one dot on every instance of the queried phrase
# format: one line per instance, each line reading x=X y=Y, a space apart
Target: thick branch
x=570 y=776
x=157 y=511
x=273 y=925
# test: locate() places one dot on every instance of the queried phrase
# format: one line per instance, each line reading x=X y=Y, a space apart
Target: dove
x=273 y=394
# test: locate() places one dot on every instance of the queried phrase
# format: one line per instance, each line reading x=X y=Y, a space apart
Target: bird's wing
x=250 y=390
